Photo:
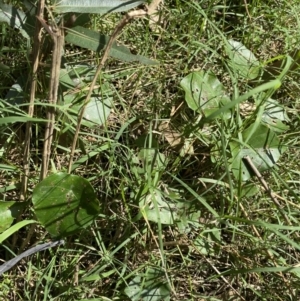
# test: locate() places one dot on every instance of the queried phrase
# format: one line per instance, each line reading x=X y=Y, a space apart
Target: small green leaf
x=275 y=125
x=265 y=151
x=97 y=111
x=13 y=17
x=96 y=41
x=248 y=190
x=65 y=79
x=166 y=214
x=95 y=6
x=274 y=115
x=9 y=210
x=65 y=204
x=150 y=286
x=204 y=93
x=242 y=60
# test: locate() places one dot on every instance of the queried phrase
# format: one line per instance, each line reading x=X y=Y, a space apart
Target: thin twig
x=247 y=10
x=129 y=16
x=36 y=56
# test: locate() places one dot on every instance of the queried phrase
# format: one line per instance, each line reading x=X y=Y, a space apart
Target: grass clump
x=183 y=217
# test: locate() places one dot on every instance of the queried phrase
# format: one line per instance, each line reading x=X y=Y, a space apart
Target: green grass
x=227 y=245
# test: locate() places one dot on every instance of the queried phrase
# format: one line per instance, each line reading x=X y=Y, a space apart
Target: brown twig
x=247 y=10
x=36 y=55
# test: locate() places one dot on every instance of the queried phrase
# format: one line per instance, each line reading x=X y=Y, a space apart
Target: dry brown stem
x=36 y=56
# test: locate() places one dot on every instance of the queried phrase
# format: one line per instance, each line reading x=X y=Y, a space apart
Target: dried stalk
x=36 y=56
x=57 y=35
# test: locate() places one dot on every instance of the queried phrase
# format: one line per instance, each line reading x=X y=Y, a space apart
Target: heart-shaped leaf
x=242 y=60
x=65 y=204
x=204 y=93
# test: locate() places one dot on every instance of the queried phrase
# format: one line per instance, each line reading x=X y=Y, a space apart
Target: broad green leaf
x=9 y=210
x=65 y=204
x=242 y=60
x=265 y=151
x=151 y=157
x=275 y=125
x=15 y=18
x=81 y=73
x=95 y=6
x=4 y=68
x=150 y=286
x=206 y=242
x=96 y=41
x=97 y=109
x=30 y=7
x=77 y=19
x=204 y=93
x=146 y=141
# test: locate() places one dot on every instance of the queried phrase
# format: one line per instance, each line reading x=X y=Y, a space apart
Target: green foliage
x=181 y=213
x=242 y=60
x=148 y=286
x=204 y=93
x=9 y=210
x=263 y=147
x=95 y=41
x=13 y=229
x=94 y=7
x=65 y=204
